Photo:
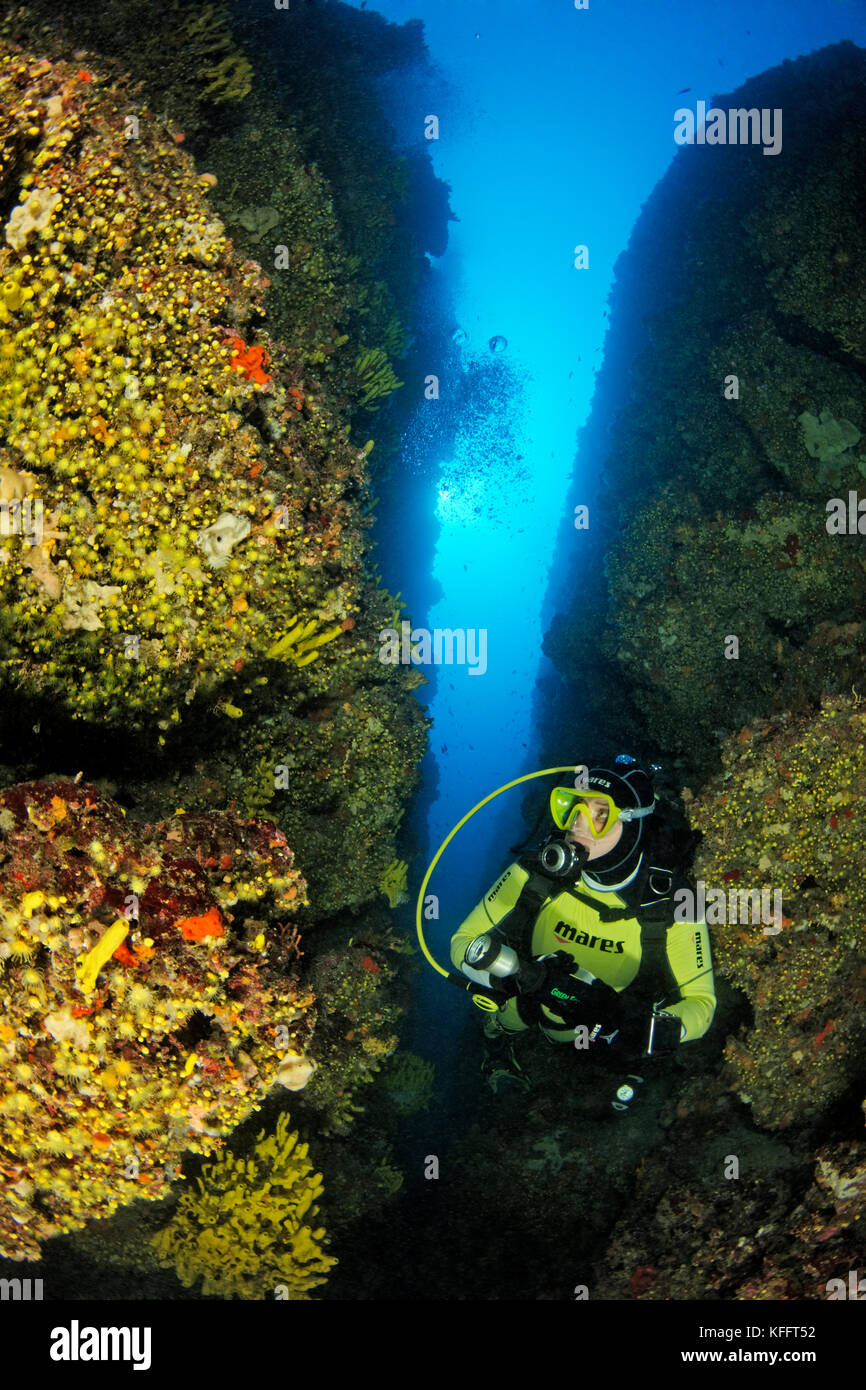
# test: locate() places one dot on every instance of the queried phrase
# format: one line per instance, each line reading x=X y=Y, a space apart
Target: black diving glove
x=577 y=997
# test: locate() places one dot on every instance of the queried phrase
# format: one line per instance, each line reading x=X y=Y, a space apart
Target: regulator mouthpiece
x=561 y=859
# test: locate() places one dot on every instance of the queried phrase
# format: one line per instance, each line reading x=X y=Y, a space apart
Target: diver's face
x=579 y=833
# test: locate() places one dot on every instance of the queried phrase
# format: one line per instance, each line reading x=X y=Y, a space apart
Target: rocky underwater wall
x=204 y=764
x=718 y=627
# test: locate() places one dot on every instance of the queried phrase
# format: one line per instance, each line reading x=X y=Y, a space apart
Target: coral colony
x=181 y=528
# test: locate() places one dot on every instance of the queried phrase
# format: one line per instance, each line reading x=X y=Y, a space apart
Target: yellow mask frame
x=566 y=804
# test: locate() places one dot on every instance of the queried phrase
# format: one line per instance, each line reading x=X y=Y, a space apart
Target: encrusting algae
x=249 y=1230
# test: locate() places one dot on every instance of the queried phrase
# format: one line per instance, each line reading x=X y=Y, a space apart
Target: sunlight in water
x=460 y=500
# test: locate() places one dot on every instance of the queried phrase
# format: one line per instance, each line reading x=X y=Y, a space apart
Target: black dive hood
x=630 y=791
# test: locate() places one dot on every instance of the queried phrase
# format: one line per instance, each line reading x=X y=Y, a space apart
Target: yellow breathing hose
x=545 y=772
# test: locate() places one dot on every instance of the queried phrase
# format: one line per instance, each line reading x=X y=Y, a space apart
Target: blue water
x=555 y=124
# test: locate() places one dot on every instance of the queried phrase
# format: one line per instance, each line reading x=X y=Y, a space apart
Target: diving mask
x=599 y=812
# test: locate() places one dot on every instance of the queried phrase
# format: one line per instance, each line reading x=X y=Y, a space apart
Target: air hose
x=484 y=997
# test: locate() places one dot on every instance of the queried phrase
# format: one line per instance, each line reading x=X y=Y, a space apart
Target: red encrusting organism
x=197 y=928
x=124 y=955
x=249 y=360
x=828 y=1028
x=792 y=546
x=642 y=1279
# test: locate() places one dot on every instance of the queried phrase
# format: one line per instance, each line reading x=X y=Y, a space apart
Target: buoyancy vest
x=649 y=899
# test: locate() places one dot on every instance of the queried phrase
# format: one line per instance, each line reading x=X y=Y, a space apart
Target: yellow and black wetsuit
x=610 y=951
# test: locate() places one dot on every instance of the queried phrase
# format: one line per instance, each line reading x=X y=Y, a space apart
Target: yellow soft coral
x=229 y=80
x=393 y=882
x=300 y=643
x=101 y=952
x=244 y=1231
x=207 y=35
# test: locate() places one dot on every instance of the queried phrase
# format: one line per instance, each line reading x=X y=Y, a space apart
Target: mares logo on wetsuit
x=563 y=932
x=698 y=952
x=496 y=887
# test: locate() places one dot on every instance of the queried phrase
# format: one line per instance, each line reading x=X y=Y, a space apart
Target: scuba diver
x=590 y=938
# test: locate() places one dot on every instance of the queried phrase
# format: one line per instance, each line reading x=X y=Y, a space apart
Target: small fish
x=444 y=748
x=683 y=89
